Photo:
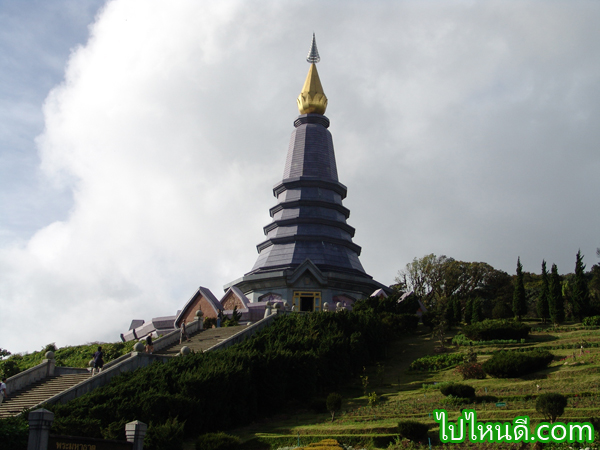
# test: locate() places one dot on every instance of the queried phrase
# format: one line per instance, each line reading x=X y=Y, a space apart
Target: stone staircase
x=39 y=392
x=203 y=340
x=58 y=387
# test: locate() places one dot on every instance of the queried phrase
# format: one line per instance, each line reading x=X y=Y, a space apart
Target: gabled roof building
x=308 y=256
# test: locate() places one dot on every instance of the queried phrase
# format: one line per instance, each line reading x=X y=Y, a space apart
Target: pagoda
x=308 y=257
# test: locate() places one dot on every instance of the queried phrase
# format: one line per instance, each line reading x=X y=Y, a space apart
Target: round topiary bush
x=471 y=370
x=510 y=364
x=551 y=405
x=413 y=430
x=217 y=441
x=458 y=390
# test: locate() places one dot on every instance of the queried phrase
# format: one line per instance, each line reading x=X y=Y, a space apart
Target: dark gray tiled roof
x=309 y=220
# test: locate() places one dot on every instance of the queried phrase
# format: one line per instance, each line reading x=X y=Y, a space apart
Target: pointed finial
x=313 y=55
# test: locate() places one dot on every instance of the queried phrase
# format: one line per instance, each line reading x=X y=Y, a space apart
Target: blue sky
x=139 y=143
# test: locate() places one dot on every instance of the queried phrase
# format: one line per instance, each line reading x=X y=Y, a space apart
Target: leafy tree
x=580 y=294
x=556 y=300
x=551 y=405
x=425 y=276
x=434 y=278
x=519 y=305
x=543 y=309
x=334 y=403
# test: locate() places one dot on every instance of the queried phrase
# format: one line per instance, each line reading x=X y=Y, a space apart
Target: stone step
x=39 y=392
x=204 y=339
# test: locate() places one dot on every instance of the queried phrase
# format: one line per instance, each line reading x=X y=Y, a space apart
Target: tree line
x=473 y=291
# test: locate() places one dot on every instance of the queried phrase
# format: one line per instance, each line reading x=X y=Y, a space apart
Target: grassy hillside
x=406 y=394
x=70 y=356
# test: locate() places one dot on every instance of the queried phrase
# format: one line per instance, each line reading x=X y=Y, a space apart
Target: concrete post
x=40 y=422
x=267 y=310
x=200 y=318
x=135 y=432
x=51 y=364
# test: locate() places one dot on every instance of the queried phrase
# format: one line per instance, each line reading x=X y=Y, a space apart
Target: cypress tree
x=449 y=312
x=556 y=301
x=468 y=311
x=519 y=305
x=457 y=311
x=477 y=314
x=543 y=308
x=580 y=293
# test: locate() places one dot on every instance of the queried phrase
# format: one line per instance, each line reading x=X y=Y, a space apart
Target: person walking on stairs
x=3 y=393
x=149 y=344
x=184 y=335
x=98 y=361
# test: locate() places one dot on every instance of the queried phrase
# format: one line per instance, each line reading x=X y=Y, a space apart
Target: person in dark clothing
x=149 y=345
x=98 y=361
x=183 y=336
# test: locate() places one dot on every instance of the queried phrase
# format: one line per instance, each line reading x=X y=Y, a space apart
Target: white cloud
x=460 y=129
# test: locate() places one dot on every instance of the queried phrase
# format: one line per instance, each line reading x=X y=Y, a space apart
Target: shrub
x=400 y=323
x=551 y=405
x=388 y=304
x=413 y=430
x=9 y=368
x=167 y=436
x=470 y=371
x=77 y=426
x=325 y=444
x=217 y=441
x=210 y=322
x=496 y=329
x=334 y=403
x=593 y=321
x=458 y=390
x=510 y=364
x=373 y=399
x=436 y=362
x=429 y=319
x=14 y=432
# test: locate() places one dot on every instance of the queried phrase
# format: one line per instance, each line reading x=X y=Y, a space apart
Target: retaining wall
x=28 y=377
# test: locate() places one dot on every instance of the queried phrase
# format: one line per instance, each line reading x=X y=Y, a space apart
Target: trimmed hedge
x=436 y=362
x=496 y=329
x=593 y=321
x=217 y=441
x=413 y=430
x=458 y=390
x=509 y=364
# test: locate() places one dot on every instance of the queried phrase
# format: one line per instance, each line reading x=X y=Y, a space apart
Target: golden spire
x=312 y=99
